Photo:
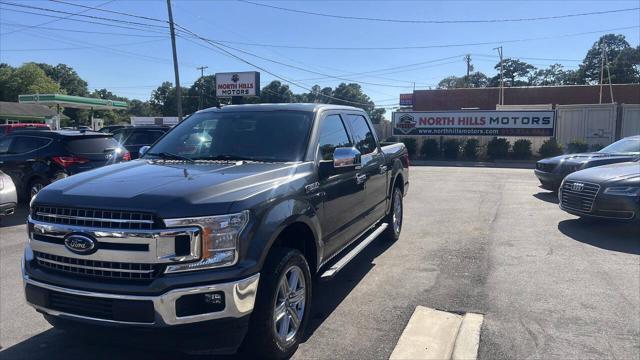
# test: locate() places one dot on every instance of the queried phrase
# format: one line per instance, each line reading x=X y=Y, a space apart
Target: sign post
x=475 y=123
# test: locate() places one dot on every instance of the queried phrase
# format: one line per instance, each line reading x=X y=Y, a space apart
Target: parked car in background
x=222 y=239
x=112 y=128
x=35 y=159
x=552 y=171
x=8 y=195
x=6 y=129
x=611 y=192
x=133 y=138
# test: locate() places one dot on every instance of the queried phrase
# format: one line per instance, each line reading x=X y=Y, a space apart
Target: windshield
x=624 y=146
x=261 y=136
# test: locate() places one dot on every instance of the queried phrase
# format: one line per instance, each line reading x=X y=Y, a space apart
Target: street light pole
x=175 y=61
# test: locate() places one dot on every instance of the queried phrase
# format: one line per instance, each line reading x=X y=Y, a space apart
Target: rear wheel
x=35 y=186
x=394 y=218
x=282 y=305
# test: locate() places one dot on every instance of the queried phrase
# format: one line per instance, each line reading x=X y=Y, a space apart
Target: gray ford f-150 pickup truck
x=219 y=229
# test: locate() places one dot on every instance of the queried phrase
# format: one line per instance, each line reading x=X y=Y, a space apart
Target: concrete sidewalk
x=500 y=164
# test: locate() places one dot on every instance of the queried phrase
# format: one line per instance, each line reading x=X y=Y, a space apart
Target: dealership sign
x=474 y=123
x=238 y=84
x=406 y=99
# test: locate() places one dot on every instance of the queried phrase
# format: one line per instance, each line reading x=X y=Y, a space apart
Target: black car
x=552 y=171
x=133 y=138
x=218 y=232
x=35 y=159
x=611 y=191
x=111 y=128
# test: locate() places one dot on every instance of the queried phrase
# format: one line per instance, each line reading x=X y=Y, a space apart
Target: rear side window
x=332 y=135
x=25 y=144
x=363 y=136
x=4 y=145
x=91 y=145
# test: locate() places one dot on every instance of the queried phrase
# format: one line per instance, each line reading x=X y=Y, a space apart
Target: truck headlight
x=220 y=235
x=623 y=190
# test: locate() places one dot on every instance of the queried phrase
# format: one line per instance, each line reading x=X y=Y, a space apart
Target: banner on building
x=475 y=123
x=406 y=99
x=238 y=84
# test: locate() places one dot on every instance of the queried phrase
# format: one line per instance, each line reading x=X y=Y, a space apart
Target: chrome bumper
x=239 y=301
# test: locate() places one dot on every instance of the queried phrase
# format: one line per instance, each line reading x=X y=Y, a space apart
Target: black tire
x=392 y=233
x=36 y=183
x=262 y=340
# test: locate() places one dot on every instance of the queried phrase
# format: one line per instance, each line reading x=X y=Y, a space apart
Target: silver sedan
x=8 y=195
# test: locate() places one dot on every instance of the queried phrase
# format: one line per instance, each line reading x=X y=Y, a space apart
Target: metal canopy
x=73 y=102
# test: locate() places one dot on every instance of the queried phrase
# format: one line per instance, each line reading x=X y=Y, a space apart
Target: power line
x=265 y=70
x=414 y=47
x=77 y=20
x=79 y=47
x=56 y=20
x=405 y=21
x=78 y=31
x=81 y=15
x=111 y=11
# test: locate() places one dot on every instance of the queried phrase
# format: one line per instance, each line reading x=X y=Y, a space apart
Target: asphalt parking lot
x=480 y=240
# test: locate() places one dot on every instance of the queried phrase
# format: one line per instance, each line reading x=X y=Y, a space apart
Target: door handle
x=383 y=169
x=361 y=178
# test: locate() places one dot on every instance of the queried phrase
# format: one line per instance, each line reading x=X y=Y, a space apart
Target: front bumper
x=239 y=300
x=549 y=181
x=610 y=207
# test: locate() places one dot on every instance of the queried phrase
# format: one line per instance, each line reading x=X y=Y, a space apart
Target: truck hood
x=167 y=188
x=620 y=172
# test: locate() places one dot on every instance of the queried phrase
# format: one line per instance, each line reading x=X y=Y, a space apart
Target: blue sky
x=132 y=63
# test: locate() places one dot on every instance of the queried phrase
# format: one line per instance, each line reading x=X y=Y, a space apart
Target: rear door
x=23 y=158
x=373 y=168
x=90 y=152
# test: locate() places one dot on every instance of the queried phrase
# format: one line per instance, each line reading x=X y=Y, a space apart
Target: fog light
x=198 y=304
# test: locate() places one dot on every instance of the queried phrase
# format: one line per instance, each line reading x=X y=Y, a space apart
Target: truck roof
x=289 y=106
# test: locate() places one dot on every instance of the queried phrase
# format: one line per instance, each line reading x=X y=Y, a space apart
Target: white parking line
x=434 y=334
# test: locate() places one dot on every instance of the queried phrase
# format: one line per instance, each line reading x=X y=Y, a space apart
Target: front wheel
x=282 y=305
x=394 y=218
x=35 y=186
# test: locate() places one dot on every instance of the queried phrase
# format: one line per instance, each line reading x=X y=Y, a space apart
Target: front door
x=343 y=194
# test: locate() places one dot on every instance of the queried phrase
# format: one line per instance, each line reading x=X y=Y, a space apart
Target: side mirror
x=346 y=157
x=143 y=150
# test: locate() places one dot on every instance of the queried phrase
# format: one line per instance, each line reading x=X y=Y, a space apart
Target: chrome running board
x=342 y=262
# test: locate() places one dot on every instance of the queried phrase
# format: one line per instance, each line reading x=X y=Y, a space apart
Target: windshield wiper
x=229 y=157
x=170 y=156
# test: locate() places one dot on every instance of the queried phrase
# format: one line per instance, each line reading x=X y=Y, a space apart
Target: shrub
x=498 y=148
x=522 y=149
x=550 y=148
x=451 y=148
x=577 y=146
x=470 y=149
x=430 y=149
x=410 y=143
x=596 y=147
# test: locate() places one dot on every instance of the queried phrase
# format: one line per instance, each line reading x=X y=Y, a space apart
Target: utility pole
x=201 y=100
x=467 y=59
x=602 y=71
x=175 y=61
x=501 y=96
x=606 y=60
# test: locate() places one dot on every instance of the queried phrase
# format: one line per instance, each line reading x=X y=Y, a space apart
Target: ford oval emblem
x=80 y=244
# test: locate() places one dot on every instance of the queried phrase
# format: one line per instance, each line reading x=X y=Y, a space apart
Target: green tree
x=141 y=108
x=276 y=92
x=70 y=82
x=553 y=75
x=207 y=85
x=163 y=99
x=624 y=61
x=27 y=79
x=516 y=73
x=475 y=80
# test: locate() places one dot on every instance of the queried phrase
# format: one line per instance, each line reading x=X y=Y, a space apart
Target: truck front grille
x=94 y=218
x=97 y=269
x=579 y=196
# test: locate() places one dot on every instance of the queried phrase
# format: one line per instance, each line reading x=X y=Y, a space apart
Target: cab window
x=331 y=136
x=362 y=134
